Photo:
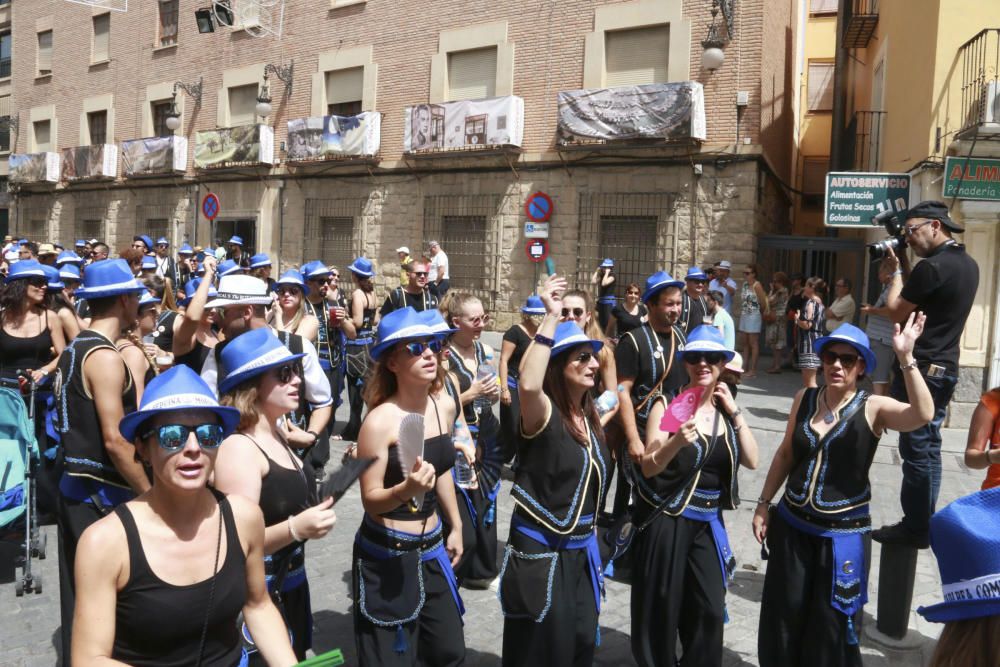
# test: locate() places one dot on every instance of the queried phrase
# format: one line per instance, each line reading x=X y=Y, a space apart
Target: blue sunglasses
x=173 y=437
x=416 y=348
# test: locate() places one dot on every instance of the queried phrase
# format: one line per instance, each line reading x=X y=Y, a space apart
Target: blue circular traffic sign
x=538 y=207
x=210 y=206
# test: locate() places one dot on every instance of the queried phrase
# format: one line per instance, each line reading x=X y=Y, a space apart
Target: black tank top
x=157 y=623
x=195 y=358
x=17 y=353
x=465 y=379
x=367 y=328
x=439 y=451
x=284 y=491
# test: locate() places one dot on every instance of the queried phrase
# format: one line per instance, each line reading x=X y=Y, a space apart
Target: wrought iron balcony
x=865 y=136
x=980 y=62
x=861 y=19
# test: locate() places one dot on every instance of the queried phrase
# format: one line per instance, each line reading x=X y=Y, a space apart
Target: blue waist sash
x=850 y=581
x=93 y=492
x=713 y=517
x=361 y=341
x=561 y=542
x=295 y=576
x=436 y=552
x=607 y=300
x=511 y=382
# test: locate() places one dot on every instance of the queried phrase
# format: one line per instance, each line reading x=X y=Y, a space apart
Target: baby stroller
x=19 y=461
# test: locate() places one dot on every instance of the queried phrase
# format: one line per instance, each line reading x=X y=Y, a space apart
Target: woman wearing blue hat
x=29 y=331
x=551 y=580
x=261 y=378
x=407 y=608
x=683 y=562
x=820 y=530
x=63 y=302
x=515 y=343
x=365 y=317
x=163 y=578
x=140 y=360
x=289 y=310
x=194 y=337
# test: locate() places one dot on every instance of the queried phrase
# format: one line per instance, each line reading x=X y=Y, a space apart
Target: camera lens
x=880 y=249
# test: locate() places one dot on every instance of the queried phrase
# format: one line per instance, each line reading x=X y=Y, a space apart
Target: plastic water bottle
x=607 y=401
x=464 y=475
x=485 y=371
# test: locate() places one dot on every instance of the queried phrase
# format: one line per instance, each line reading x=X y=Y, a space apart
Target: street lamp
x=194 y=90
x=285 y=74
x=713 y=55
x=263 y=108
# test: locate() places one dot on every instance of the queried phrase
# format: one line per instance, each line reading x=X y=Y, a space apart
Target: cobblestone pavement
x=28 y=625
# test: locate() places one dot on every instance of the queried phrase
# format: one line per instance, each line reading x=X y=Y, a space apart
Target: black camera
x=897 y=237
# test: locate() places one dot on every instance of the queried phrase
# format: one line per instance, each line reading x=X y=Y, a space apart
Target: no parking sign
x=537 y=250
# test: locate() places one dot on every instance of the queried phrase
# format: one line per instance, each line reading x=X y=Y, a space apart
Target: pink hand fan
x=681 y=409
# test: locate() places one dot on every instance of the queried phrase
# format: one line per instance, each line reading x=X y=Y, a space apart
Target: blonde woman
x=289 y=310
x=578 y=307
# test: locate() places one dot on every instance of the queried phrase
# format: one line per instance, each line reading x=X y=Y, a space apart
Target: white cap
x=725 y=264
x=403 y=249
x=240 y=290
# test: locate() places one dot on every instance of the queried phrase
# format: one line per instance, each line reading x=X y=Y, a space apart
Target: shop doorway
x=246 y=228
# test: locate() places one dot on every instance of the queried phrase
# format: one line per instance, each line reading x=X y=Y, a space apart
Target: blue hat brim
x=960 y=610
x=659 y=287
x=129 y=425
x=865 y=353
x=230 y=382
x=359 y=272
x=700 y=346
x=100 y=292
x=532 y=311
x=382 y=346
x=561 y=346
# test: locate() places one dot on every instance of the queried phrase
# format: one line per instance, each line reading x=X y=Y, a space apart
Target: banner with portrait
x=154 y=156
x=89 y=162
x=33 y=168
x=241 y=146
x=670 y=111
x=498 y=121
x=320 y=138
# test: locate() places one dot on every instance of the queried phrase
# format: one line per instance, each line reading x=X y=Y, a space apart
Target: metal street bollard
x=897 y=570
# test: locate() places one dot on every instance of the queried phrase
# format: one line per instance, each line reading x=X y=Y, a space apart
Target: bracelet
x=736 y=413
x=291 y=530
x=897 y=272
x=761 y=501
x=908 y=367
x=544 y=340
x=736 y=429
x=314 y=435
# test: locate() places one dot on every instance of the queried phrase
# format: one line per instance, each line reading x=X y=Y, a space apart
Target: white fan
x=409 y=446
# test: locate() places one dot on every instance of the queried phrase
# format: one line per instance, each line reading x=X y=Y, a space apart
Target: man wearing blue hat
x=143 y=243
x=94 y=391
x=260 y=267
x=415 y=294
x=694 y=305
x=165 y=265
x=236 y=252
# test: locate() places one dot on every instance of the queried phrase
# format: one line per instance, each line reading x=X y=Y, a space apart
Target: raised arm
x=893 y=414
x=186 y=326
x=534 y=404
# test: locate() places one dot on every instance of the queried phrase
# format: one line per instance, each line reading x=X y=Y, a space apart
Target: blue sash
x=511 y=383
x=93 y=492
x=561 y=542
x=361 y=341
x=293 y=579
x=713 y=517
x=607 y=300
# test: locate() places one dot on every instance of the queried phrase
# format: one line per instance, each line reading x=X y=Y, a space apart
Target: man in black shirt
x=943 y=287
x=414 y=294
x=694 y=305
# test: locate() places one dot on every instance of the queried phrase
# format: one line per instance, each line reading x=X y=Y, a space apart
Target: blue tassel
x=852 y=636
x=597 y=638
x=491 y=515
x=400 y=645
x=609 y=569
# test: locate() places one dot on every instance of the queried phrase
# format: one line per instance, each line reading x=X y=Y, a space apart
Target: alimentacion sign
x=853 y=197
x=972 y=178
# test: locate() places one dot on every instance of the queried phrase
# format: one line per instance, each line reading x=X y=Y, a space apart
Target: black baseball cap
x=934 y=210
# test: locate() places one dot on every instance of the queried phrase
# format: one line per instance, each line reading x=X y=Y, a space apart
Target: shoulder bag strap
x=666 y=371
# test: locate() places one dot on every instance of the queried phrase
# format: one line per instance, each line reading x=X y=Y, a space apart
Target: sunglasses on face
x=417 y=347
x=476 y=321
x=173 y=437
x=572 y=312
x=286 y=372
x=584 y=357
x=847 y=361
x=282 y=291
x=334 y=276
x=320 y=281
x=38 y=282
x=420 y=274
x=710 y=358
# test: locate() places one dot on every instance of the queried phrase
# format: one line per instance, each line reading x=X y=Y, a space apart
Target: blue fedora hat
x=966 y=544
x=185 y=249
x=657 y=282
x=362 y=266
x=399 y=326
x=148 y=263
x=145 y=239
x=533 y=306
x=433 y=318
x=228 y=267
x=695 y=273
x=162 y=241
x=68 y=257
x=147 y=299
x=259 y=260
x=80 y=243
x=569 y=335
x=250 y=354
x=25 y=268
x=706 y=338
x=179 y=389
x=191 y=286
x=236 y=240
x=608 y=263
x=52 y=274
x=69 y=272
x=853 y=336
x=292 y=277
x=314 y=269
x=110 y=277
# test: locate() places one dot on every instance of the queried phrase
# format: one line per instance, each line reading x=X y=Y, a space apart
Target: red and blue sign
x=537 y=250
x=210 y=206
x=538 y=207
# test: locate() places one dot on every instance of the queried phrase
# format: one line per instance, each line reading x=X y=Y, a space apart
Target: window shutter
x=102 y=38
x=472 y=75
x=822 y=6
x=820 y=86
x=5 y=107
x=242 y=105
x=637 y=56
x=43 y=136
x=45 y=52
x=344 y=85
x=168 y=22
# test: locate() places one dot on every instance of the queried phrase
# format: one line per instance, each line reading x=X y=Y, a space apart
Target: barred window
x=467 y=228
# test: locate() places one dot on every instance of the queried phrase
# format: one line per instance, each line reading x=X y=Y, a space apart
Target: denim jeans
x=921 y=454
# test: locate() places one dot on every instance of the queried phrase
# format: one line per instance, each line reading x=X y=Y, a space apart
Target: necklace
x=830 y=413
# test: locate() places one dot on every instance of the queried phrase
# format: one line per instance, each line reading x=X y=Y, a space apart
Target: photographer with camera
x=942 y=286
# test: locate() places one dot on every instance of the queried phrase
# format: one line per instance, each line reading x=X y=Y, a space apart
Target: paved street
x=28 y=625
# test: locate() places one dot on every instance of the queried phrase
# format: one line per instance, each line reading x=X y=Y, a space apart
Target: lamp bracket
x=285 y=74
x=193 y=90
x=728 y=8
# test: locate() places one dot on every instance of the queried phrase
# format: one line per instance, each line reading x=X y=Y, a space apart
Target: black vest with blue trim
x=77 y=420
x=558 y=479
x=678 y=479
x=830 y=474
x=653 y=358
x=329 y=340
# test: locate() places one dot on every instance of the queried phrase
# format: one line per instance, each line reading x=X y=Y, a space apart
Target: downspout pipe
x=839 y=115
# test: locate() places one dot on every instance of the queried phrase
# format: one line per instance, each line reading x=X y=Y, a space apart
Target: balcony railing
x=980 y=58
x=861 y=19
x=865 y=136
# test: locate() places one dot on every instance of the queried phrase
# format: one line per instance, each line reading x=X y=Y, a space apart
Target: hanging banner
x=154 y=156
x=34 y=168
x=89 y=162
x=498 y=121
x=228 y=147
x=674 y=111
x=320 y=138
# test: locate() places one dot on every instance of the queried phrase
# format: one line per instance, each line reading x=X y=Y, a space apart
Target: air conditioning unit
x=991 y=105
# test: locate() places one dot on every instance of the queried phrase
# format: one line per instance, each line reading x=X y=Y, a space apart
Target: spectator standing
x=942 y=286
x=984 y=438
x=879 y=330
x=694 y=305
x=721 y=319
x=627 y=315
x=403 y=253
x=236 y=252
x=808 y=321
x=416 y=294
x=774 y=320
x=723 y=283
x=439 y=277
x=843 y=306
x=796 y=302
x=604 y=280
x=166 y=267
x=753 y=307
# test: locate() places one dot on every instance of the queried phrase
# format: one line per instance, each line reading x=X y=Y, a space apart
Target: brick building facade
x=698 y=200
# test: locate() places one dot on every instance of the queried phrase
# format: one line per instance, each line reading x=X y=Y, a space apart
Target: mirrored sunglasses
x=173 y=437
x=417 y=347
